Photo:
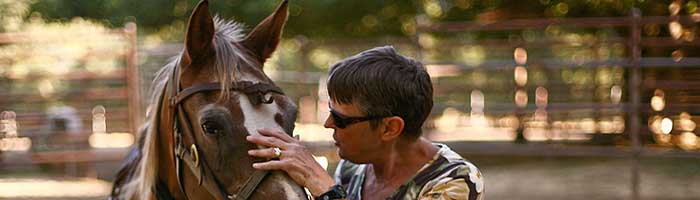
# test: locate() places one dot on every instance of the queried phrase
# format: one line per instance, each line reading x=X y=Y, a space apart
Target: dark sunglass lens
x=339 y=122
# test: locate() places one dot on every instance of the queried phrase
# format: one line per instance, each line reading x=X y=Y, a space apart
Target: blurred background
x=552 y=99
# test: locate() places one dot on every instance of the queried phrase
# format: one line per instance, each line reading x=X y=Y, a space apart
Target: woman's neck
x=401 y=160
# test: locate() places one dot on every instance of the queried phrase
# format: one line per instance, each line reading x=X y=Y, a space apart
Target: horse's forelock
x=233 y=61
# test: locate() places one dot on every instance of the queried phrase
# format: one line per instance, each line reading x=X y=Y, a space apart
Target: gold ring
x=277 y=151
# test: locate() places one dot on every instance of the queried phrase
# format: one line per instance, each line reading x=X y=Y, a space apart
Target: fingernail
x=248 y=137
x=256 y=165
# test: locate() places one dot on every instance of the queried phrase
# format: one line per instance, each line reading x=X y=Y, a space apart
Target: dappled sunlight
x=63 y=46
x=520 y=56
x=323 y=58
x=323 y=161
x=685 y=122
x=472 y=55
x=676 y=30
x=666 y=125
x=100 y=138
x=540 y=134
x=8 y=124
x=15 y=144
x=426 y=40
x=13 y=188
x=657 y=101
x=677 y=55
x=688 y=141
x=615 y=94
x=56 y=72
x=472 y=134
x=437 y=70
x=520 y=76
x=111 y=140
x=477 y=101
x=520 y=98
x=313 y=132
x=541 y=97
x=655 y=124
x=10 y=140
x=432 y=8
x=453 y=125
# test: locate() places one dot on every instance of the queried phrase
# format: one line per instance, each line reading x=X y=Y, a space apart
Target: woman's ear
x=393 y=127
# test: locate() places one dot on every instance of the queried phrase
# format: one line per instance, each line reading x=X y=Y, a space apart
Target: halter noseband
x=190 y=156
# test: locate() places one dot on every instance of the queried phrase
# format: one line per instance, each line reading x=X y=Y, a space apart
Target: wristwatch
x=336 y=192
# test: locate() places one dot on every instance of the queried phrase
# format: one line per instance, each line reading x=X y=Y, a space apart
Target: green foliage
x=328 y=18
x=12 y=13
x=331 y=18
x=80 y=44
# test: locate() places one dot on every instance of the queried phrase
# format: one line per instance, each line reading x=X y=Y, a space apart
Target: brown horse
x=205 y=102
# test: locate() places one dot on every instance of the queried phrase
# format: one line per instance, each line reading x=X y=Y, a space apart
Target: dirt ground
x=588 y=178
x=556 y=178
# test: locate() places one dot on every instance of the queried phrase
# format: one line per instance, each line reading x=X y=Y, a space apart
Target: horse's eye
x=211 y=128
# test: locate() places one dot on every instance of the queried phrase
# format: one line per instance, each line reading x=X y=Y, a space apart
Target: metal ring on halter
x=277 y=151
x=195 y=155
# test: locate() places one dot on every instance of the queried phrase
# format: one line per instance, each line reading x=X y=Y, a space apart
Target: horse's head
x=223 y=95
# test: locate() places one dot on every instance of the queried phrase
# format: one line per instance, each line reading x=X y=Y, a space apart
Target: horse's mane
x=137 y=177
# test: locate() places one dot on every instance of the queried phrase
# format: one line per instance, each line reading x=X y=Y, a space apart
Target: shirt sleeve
x=464 y=183
x=452 y=189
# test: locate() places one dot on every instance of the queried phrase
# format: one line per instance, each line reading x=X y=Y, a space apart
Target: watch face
x=339 y=191
x=336 y=192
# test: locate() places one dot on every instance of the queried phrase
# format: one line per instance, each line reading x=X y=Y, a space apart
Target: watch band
x=336 y=192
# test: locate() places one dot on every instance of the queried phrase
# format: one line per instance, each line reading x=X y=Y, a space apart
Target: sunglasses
x=342 y=121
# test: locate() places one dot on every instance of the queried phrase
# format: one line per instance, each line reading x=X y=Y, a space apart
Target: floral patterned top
x=447 y=176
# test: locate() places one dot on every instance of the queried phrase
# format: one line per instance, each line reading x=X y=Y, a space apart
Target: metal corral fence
x=589 y=74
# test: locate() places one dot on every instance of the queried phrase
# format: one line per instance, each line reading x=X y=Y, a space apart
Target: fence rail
x=59 y=118
x=637 y=85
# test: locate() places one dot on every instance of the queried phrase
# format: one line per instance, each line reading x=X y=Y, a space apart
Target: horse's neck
x=167 y=173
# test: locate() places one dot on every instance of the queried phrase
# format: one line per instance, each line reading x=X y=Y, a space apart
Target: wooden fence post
x=634 y=83
x=132 y=76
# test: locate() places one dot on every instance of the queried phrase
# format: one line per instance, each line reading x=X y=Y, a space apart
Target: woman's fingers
x=270 y=165
x=267 y=141
x=277 y=134
x=272 y=139
x=264 y=153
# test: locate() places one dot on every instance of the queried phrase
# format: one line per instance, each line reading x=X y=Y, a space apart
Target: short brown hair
x=383 y=82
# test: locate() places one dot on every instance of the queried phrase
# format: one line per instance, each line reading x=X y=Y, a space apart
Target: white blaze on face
x=259 y=117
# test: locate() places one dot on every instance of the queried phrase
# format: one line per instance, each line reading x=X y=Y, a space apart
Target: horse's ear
x=263 y=39
x=200 y=32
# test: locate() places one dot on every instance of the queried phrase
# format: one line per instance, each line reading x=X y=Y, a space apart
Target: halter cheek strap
x=190 y=156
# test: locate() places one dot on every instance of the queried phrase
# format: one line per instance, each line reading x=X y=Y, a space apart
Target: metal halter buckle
x=195 y=155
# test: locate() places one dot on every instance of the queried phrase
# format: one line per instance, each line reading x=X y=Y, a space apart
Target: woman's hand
x=295 y=159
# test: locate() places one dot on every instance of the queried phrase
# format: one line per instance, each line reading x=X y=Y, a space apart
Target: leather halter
x=189 y=154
